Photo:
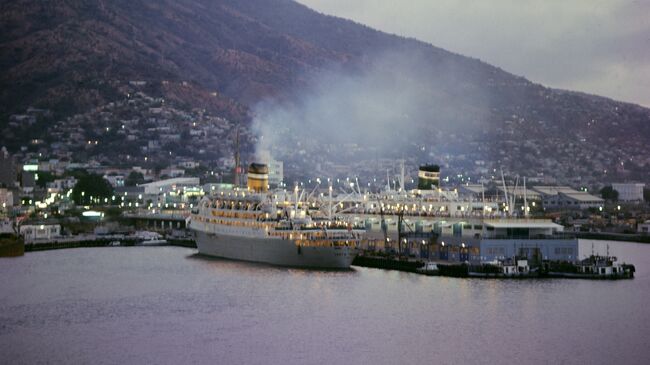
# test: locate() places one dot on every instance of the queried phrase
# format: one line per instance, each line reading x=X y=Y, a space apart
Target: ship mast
x=237 y=181
x=483 y=198
x=384 y=226
x=525 y=199
x=401 y=177
x=505 y=191
x=329 y=215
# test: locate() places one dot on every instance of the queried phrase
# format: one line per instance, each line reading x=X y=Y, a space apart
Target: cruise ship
x=253 y=224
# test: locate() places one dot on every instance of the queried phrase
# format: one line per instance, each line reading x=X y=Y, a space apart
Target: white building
x=115 y=180
x=172 y=172
x=6 y=226
x=189 y=164
x=276 y=172
x=644 y=227
x=165 y=186
x=629 y=192
x=61 y=185
x=40 y=231
x=6 y=199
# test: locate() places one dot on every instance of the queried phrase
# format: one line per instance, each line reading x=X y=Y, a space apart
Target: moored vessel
x=256 y=225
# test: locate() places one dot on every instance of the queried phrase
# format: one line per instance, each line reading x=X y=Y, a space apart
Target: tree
x=44 y=177
x=91 y=185
x=134 y=178
x=608 y=193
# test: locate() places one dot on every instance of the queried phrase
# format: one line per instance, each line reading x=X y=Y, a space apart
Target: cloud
x=596 y=46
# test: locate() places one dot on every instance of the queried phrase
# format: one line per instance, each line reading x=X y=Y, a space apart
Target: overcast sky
x=596 y=46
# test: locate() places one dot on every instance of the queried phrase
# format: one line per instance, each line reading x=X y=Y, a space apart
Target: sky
x=595 y=46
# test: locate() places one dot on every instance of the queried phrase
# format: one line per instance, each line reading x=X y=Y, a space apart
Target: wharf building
x=474 y=239
x=644 y=227
x=498 y=239
x=533 y=239
x=564 y=197
x=36 y=232
x=629 y=192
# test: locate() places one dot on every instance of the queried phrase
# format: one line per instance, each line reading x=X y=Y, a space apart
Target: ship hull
x=279 y=252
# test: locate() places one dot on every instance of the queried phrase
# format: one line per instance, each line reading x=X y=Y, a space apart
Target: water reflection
x=168 y=305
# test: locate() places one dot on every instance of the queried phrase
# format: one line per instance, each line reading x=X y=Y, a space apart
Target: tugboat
x=603 y=267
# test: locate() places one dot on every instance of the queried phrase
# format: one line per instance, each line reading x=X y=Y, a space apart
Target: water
x=167 y=305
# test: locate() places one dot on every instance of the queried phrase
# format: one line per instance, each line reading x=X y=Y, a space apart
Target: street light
x=443 y=248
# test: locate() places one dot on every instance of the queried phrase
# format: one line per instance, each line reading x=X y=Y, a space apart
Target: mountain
x=226 y=56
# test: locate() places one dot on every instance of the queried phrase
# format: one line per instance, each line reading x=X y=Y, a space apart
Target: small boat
x=507 y=268
x=598 y=267
x=429 y=268
x=146 y=238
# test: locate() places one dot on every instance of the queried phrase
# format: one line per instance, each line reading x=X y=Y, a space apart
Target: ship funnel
x=429 y=177
x=258 y=177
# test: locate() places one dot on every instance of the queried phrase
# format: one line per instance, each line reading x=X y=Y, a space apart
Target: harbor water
x=167 y=305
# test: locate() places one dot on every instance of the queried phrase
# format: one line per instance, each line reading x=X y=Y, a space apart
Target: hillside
x=227 y=56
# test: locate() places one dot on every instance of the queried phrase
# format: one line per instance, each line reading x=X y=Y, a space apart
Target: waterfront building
x=564 y=197
x=473 y=239
x=33 y=232
x=519 y=192
x=644 y=227
x=629 y=192
x=534 y=239
x=168 y=185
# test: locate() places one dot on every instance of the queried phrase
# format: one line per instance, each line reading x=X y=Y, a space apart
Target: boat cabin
x=512 y=267
x=600 y=266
